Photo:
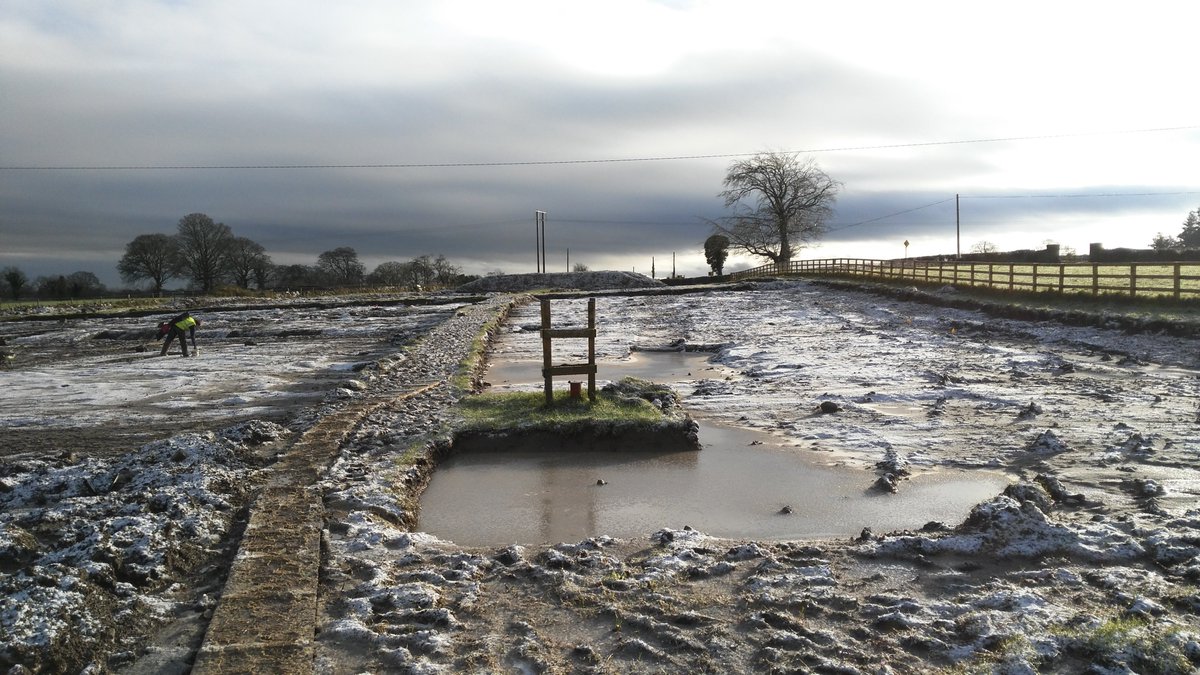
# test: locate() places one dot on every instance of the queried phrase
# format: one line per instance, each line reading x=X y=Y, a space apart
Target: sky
x=439 y=127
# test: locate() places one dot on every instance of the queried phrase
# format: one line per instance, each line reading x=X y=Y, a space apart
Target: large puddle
x=735 y=487
x=731 y=488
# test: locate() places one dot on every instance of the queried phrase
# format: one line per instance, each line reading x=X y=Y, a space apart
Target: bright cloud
x=235 y=84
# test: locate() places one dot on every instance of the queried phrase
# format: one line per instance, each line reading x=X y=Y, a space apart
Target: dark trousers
x=174 y=333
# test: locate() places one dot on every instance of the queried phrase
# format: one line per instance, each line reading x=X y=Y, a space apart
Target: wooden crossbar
x=549 y=371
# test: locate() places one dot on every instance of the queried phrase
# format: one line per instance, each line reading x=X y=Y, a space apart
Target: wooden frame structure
x=549 y=370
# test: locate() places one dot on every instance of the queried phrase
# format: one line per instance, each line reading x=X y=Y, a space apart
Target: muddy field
x=1088 y=562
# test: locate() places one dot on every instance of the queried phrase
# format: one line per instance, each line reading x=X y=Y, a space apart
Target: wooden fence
x=1176 y=279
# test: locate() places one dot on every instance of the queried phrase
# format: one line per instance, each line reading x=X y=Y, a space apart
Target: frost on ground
x=104 y=545
x=97 y=386
x=1088 y=562
x=91 y=550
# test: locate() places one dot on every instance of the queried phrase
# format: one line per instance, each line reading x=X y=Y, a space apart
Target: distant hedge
x=1121 y=255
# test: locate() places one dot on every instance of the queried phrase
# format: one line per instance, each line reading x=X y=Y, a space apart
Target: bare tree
x=247 y=262
x=151 y=257
x=341 y=266
x=15 y=279
x=391 y=273
x=295 y=276
x=444 y=273
x=984 y=247
x=780 y=203
x=83 y=284
x=203 y=250
x=420 y=271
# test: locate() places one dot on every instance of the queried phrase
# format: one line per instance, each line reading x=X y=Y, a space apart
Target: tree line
x=14 y=283
x=1189 y=236
x=209 y=256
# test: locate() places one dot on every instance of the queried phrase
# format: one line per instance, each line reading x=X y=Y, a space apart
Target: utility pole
x=652 y=268
x=957 y=231
x=672 y=264
x=568 y=258
x=539 y=247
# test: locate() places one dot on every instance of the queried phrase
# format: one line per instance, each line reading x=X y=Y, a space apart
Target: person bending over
x=180 y=327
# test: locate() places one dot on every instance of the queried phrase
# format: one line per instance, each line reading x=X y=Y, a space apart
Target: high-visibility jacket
x=188 y=322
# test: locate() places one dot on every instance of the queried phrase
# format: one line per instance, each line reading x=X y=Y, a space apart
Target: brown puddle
x=735 y=488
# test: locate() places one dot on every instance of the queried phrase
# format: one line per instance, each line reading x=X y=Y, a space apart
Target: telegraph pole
x=539 y=246
x=957 y=231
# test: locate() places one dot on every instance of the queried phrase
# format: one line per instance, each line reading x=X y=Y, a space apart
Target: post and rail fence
x=1179 y=280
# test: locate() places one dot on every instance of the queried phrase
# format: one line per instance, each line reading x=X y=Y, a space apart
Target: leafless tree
x=419 y=271
x=15 y=279
x=984 y=247
x=780 y=202
x=248 y=262
x=151 y=257
x=203 y=249
x=445 y=273
x=341 y=266
x=391 y=273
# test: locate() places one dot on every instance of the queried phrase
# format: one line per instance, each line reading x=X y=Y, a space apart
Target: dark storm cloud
x=232 y=85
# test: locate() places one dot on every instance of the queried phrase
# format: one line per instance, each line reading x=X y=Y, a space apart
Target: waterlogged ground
x=930 y=386
x=1088 y=562
x=744 y=484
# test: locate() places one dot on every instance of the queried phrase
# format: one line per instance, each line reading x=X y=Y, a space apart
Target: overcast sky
x=1066 y=100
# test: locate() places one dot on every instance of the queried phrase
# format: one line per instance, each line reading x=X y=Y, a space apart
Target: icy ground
x=1090 y=562
x=98 y=386
x=913 y=384
x=104 y=540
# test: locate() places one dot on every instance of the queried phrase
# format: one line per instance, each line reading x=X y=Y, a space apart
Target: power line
x=890 y=215
x=1054 y=196
x=1084 y=195
x=562 y=162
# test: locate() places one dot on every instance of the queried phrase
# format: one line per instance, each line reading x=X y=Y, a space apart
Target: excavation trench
x=503 y=488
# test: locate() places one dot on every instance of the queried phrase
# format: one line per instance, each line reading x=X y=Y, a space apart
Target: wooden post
x=1177 y=285
x=1062 y=272
x=547 y=360
x=592 y=349
x=1095 y=279
x=1034 y=284
x=1132 y=279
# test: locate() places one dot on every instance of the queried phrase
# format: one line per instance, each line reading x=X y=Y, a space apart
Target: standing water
x=735 y=487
